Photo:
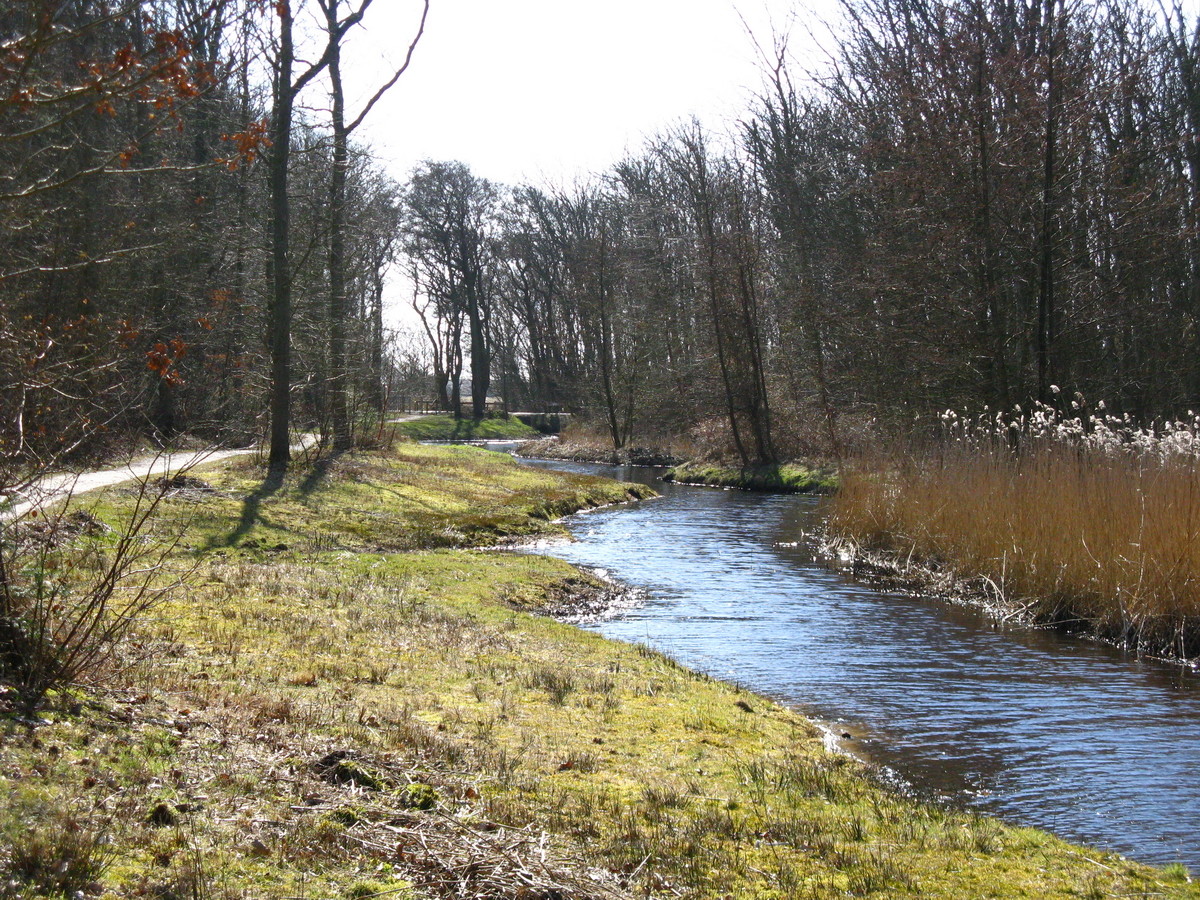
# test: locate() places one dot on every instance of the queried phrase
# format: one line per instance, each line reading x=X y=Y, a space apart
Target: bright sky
x=547 y=91
x=535 y=90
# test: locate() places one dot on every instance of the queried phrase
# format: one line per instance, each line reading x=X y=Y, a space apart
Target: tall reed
x=1087 y=521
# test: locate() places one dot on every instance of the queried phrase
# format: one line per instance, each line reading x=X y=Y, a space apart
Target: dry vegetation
x=1086 y=523
x=317 y=716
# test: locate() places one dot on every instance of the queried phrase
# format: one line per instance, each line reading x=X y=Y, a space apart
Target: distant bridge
x=545 y=422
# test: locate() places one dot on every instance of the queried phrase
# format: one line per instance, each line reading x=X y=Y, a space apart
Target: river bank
x=444 y=427
x=344 y=701
x=1029 y=724
x=784 y=478
x=574 y=450
x=1095 y=534
x=934 y=578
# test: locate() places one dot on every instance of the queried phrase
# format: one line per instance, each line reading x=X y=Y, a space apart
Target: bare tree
x=728 y=259
x=287 y=87
x=450 y=217
x=339 y=307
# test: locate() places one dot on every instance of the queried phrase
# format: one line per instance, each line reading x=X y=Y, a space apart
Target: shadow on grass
x=318 y=472
x=270 y=486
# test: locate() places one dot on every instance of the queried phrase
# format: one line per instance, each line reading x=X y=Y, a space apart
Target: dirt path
x=71 y=484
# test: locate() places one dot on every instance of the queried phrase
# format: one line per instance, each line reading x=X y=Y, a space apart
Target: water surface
x=1038 y=728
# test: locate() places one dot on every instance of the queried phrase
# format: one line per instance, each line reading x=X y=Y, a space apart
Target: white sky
x=547 y=91
x=537 y=90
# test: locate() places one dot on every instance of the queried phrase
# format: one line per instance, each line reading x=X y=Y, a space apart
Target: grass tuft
x=53 y=852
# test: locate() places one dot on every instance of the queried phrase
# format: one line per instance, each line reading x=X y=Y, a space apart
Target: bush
x=70 y=588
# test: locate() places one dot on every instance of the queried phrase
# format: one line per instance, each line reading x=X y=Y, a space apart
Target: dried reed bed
x=1087 y=522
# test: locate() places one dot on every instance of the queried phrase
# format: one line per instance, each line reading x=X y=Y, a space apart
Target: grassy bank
x=447 y=428
x=787 y=478
x=595 y=452
x=1090 y=530
x=316 y=715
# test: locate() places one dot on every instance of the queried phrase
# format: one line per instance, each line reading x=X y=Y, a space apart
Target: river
x=1032 y=726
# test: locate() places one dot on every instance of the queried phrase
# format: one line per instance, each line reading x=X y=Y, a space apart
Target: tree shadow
x=319 y=470
x=270 y=486
x=250 y=506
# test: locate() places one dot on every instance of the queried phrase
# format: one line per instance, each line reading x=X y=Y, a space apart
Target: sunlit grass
x=411 y=497
x=448 y=428
x=789 y=478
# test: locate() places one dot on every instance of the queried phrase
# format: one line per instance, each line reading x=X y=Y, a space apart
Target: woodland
x=973 y=204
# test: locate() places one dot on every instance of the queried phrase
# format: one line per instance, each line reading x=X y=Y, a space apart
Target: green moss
x=419 y=796
x=347 y=816
x=448 y=428
x=785 y=478
x=362 y=890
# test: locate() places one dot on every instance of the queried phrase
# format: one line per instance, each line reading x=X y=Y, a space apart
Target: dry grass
x=1075 y=536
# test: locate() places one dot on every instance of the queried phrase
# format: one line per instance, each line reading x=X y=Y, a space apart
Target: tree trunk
x=378 y=391
x=339 y=406
x=1045 y=301
x=481 y=362
x=280 y=318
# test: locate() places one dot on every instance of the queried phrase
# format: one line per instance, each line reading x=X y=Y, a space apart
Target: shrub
x=69 y=590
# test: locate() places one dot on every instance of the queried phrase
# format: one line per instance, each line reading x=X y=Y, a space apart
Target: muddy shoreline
x=593 y=598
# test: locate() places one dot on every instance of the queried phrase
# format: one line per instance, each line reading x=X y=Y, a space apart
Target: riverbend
x=1030 y=725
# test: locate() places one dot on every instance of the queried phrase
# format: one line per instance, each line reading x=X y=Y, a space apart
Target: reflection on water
x=1032 y=726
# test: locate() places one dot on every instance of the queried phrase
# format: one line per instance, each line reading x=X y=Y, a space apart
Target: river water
x=1035 y=727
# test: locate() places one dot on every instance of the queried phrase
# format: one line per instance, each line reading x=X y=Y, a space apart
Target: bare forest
x=975 y=203
x=979 y=205
x=948 y=273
